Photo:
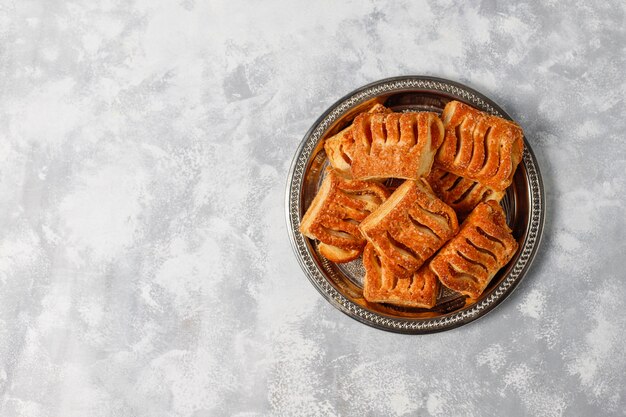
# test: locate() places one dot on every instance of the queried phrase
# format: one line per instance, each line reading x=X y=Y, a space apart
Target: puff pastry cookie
x=460 y=193
x=339 y=148
x=469 y=261
x=335 y=213
x=479 y=146
x=410 y=225
x=395 y=145
x=383 y=284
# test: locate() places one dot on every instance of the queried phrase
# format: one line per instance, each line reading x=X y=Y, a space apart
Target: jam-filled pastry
x=460 y=193
x=479 y=146
x=410 y=225
x=383 y=284
x=470 y=260
x=334 y=216
x=395 y=145
x=339 y=147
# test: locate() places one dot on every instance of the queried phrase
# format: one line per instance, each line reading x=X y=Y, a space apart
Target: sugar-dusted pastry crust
x=395 y=145
x=383 y=284
x=470 y=260
x=335 y=213
x=339 y=148
x=460 y=193
x=410 y=225
x=479 y=146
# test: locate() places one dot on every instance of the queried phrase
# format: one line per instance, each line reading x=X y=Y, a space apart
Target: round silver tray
x=341 y=284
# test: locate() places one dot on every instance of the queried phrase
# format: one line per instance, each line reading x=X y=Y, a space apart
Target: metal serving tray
x=341 y=284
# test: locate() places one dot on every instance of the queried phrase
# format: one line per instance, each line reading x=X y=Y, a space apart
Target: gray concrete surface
x=145 y=268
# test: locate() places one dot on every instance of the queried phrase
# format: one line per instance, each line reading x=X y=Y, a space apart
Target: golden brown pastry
x=337 y=254
x=469 y=261
x=479 y=146
x=334 y=215
x=395 y=145
x=383 y=284
x=460 y=193
x=410 y=225
x=340 y=146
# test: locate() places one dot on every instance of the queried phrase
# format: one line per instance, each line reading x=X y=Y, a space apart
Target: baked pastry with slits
x=395 y=145
x=383 y=283
x=470 y=260
x=334 y=216
x=479 y=146
x=460 y=193
x=410 y=225
x=339 y=148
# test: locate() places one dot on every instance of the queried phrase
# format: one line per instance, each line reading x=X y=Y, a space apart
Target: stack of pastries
x=455 y=168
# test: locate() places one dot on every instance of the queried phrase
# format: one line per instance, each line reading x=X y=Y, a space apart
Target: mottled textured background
x=145 y=268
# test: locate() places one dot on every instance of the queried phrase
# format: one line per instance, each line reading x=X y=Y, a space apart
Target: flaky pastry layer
x=334 y=216
x=395 y=145
x=469 y=261
x=460 y=193
x=410 y=225
x=340 y=147
x=383 y=284
x=479 y=146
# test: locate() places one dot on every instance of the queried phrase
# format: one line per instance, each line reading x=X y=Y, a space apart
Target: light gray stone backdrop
x=145 y=268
